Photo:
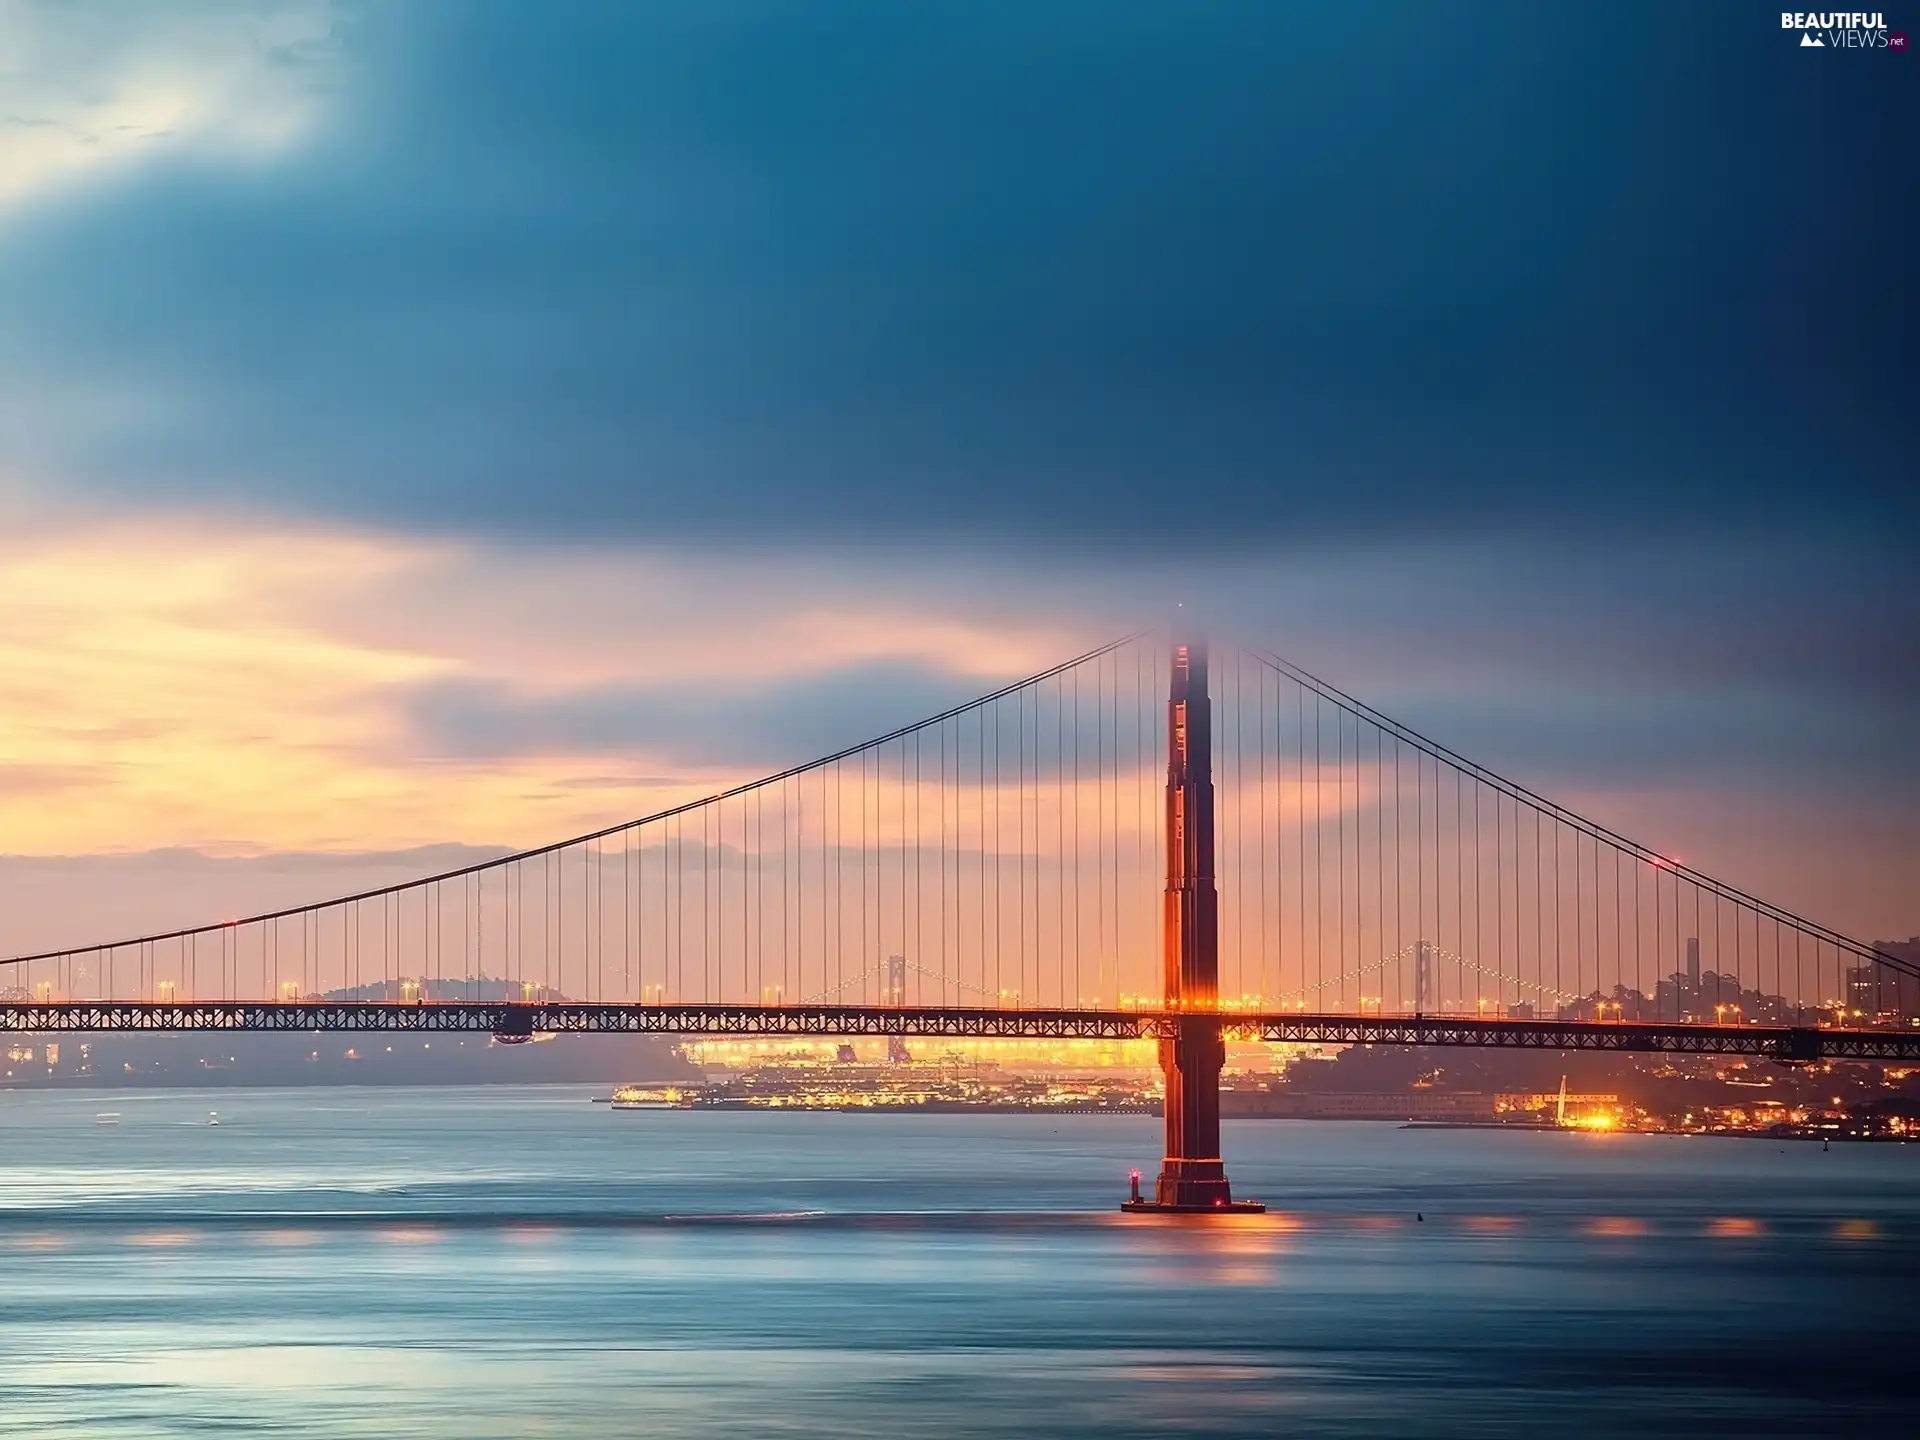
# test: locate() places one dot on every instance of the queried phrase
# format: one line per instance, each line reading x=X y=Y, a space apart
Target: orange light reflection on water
x=1491 y=1224
x=37 y=1240
x=1616 y=1225
x=532 y=1233
x=410 y=1234
x=287 y=1237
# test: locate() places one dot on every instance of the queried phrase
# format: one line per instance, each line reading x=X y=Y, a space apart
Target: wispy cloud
x=88 y=91
x=247 y=687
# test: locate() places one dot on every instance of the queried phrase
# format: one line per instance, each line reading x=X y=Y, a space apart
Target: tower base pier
x=1225 y=1207
x=1192 y=1187
x=1193 y=1177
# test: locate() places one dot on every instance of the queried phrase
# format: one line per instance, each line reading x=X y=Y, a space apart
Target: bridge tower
x=1192 y=1175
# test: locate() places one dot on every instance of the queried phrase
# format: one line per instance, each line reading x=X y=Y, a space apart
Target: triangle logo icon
x=1810 y=42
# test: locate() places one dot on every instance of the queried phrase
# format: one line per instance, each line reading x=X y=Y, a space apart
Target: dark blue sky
x=1065 y=274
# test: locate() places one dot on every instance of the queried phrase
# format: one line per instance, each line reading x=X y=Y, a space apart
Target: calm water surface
x=518 y=1262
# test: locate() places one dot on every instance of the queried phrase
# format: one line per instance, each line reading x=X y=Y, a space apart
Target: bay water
x=513 y=1262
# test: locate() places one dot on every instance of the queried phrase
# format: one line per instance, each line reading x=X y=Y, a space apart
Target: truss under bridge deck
x=513 y=1021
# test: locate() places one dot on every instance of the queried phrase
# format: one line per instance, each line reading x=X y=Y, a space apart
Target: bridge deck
x=517 y=1020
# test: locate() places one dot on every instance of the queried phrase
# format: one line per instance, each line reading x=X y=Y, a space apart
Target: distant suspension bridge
x=1131 y=844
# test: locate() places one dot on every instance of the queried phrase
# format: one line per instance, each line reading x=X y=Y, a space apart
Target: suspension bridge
x=1144 y=841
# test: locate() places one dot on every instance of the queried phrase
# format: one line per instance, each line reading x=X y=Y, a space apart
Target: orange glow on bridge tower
x=1193 y=1178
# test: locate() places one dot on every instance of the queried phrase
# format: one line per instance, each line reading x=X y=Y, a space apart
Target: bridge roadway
x=513 y=1021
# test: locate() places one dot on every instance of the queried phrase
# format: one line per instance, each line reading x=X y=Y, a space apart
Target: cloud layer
x=475 y=424
x=1058 y=276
